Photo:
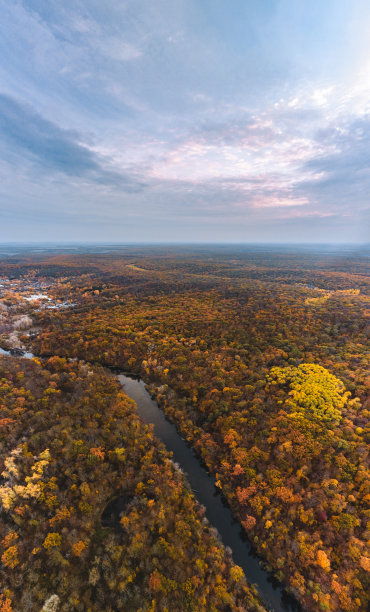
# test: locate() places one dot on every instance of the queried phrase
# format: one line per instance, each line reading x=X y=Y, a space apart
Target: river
x=203 y=486
x=217 y=511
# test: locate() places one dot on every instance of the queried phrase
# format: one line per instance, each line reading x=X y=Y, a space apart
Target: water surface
x=203 y=486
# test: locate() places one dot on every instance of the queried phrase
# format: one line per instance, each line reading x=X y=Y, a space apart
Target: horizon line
x=181 y=243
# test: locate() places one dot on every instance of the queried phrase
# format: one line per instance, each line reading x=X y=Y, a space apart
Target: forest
x=71 y=443
x=261 y=359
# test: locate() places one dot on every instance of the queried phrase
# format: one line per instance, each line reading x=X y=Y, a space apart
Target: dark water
x=203 y=486
x=114 y=510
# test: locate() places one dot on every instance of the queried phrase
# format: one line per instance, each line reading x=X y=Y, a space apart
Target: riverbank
x=203 y=485
x=71 y=441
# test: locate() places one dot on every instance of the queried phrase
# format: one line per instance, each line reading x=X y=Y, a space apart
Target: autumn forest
x=259 y=357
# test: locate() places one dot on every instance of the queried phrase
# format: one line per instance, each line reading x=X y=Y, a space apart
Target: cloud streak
x=184 y=118
x=54 y=149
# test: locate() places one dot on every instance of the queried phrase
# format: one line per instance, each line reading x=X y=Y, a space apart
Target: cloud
x=117 y=49
x=179 y=111
x=340 y=178
x=55 y=149
x=350 y=143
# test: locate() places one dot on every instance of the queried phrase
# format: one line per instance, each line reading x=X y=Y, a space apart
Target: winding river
x=217 y=511
x=203 y=486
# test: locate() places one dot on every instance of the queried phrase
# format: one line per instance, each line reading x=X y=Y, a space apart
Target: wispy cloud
x=54 y=149
x=180 y=114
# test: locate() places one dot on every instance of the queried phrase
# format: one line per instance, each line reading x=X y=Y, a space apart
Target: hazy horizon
x=298 y=245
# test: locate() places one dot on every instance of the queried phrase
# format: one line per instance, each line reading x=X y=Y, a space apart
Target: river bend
x=203 y=486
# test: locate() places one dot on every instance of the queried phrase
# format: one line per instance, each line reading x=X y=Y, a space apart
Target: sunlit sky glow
x=185 y=120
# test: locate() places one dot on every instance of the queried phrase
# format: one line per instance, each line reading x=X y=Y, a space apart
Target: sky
x=185 y=121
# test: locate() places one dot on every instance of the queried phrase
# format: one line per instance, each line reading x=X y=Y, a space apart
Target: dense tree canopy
x=262 y=362
x=70 y=442
x=314 y=394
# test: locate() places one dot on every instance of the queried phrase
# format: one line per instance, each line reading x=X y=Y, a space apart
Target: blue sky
x=185 y=120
